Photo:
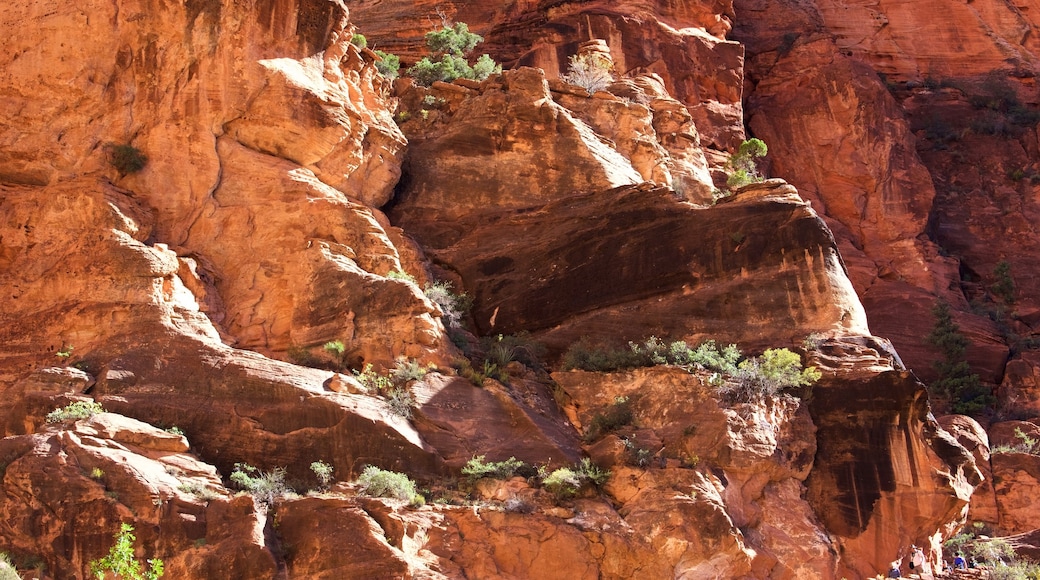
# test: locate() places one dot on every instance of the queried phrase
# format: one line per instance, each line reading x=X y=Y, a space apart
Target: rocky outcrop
x=253 y=231
x=524 y=246
x=878 y=449
x=66 y=490
x=285 y=126
x=684 y=43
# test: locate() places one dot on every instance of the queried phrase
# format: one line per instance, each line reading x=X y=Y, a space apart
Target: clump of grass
x=75 y=411
x=323 y=471
x=567 y=481
x=265 y=486
x=616 y=416
x=476 y=468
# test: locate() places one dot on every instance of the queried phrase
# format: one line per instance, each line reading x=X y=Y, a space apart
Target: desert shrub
x=742 y=166
x=516 y=505
x=200 y=491
x=637 y=455
x=65 y=352
x=126 y=159
x=323 y=471
x=7 y=569
x=563 y=482
x=713 y=358
x=388 y=65
x=617 y=415
x=453 y=306
x=502 y=349
x=589 y=71
x=567 y=481
x=121 y=562
x=401 y=275
x=1024 y=444
x=1018 y=570
x=777 y=369
x=450 y=45
x=382 y=483
x=372 y=381
x=813 y=341
x=965 y=390
x=477 y=468
x=407 y=370
x=359 y=40
x=586 y=355
x=401 y=402
x=75 y=411
x=1003 y=285
x=265 y=486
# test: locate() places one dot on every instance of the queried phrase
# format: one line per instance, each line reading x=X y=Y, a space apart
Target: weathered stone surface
x=642 y=266
x=65 y=492
x=463 y=421
x=684 y=43
x=879 y=455
x=283 y=123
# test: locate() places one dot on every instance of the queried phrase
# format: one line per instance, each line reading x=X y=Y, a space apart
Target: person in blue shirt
x=959 y=563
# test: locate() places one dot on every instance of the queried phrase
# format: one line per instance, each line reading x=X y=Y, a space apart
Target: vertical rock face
x=914 y=220
x=253 y=230
x=282 y=123
x=880 y=453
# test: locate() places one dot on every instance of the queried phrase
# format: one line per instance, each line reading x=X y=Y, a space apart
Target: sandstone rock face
x=283 y=123
x=66 y=490
x=254 y=228
x=467 y=199
x=914 y=221
x=684 y=43
x=785 y=478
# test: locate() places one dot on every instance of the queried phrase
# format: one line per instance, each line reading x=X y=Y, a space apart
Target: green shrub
x=265 y=486
x=777 y=369
x=617 y=415
x=1003 y=285
x=121 y=561
x=372 y=381
x=382 y=483
x=477 y=468
x=65 y=352
x=638 y=456
x=566 y=481
x=388 y=65
x=589 y=71
x=323 y=471
x=408 y=370
x=401 y=402
x=75 y=411
x=742 y=166
x=126 y=159
x=456 y=39
x=502 y=349
x=401 y=275
x=200 y=491
x=453 y=306
x=563 y=482
x=450 y=46
x=359 y=40
x=965 y=390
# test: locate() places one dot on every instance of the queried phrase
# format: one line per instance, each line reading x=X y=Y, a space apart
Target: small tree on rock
x=450 y=46
x=589 y=71
x=743 y=168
